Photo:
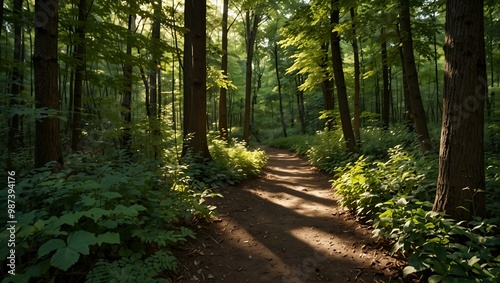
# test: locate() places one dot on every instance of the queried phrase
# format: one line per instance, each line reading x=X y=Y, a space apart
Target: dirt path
x=284 y=227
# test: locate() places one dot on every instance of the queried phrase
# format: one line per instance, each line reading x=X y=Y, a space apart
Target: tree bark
x=223 y=132
x=79 y=56
x=127 y=88
x=385 y=79
x=418 y=111
x=154 y=79
x=15 y=137
x=338 y=71
x=299 y=79
x=195 y=82
x=280 y=95
x=327 y=86
x=461 y=179
x=357 y=79
x=1 y=16
x=252 y=20
x=48 y=145
x=410 y=126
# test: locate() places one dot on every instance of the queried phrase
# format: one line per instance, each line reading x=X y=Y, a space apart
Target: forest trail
x=284 y=227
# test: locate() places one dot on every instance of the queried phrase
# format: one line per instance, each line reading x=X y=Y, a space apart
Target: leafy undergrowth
x=392 y=186
x=326 y=149
x=397 y=195
x=109 y=220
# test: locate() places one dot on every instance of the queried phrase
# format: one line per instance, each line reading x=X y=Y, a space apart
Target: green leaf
x=402 y=202
x=49 y=246
x=80 y=241
x=473 y=260
x=457 y=270
x=64 y=258
x=109 y=238
x=408 y=270
x=96 y=213
x=129 y=211
x=69 y=219
x=417 y=261
x=111 y=195
x=408 y=226
x=441 y=253
x=39 y=225
x=435 y=278
x=88 y=200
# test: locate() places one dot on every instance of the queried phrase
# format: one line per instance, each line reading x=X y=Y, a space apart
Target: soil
x=285 y=226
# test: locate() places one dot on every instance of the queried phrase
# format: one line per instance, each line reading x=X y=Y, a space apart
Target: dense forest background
x=106 y=104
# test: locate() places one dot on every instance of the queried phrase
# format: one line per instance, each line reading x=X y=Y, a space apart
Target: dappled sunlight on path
x=285 y=227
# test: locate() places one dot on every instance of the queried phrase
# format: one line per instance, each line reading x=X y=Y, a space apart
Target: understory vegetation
x=107 y=219
x=391 y=185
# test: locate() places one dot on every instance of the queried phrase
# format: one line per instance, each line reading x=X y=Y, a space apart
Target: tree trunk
x=406 y=93
x=338 y=71
x=385 y=78
x=48 y=145
x=1 y=16
x=299 y=79
x=490 y=43
x=15 y=138
x=79 y=56
x=223 y=132
x=280 y=95
x=127 y=88
x=327 y=86
x=412 y=78
x=436 y=77
x=461 y=179
x=357 y=79
x=251 y=24
x=195 y=81
x=154 y=122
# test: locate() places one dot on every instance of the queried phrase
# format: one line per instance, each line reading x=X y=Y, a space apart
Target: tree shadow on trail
x=285 y=227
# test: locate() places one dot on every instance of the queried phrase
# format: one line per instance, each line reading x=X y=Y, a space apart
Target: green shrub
x=329 y=152
x=397 y=196
x=299 y=144
x=113 y=220
x=230 y=164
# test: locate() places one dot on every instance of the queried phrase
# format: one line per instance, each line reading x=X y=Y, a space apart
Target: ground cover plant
x=106 y=219
x=392 y=185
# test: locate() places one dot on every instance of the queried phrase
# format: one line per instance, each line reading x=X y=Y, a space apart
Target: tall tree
x=1 y=16
x=48 y=145
x=127 y=85
x=223 y=131
x=280 y=94
x=345 y=117
x=408 y=117
x=461 y=179
x=299 y=79
x=385 y=78
x=195 y=81
x=15 y=138
x=327 y=82
x=418 y=112
x=252 y=20
x=79 y=55
x=154 y=77
x=357 y=79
